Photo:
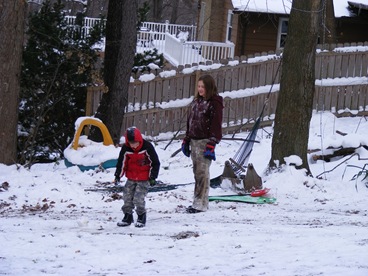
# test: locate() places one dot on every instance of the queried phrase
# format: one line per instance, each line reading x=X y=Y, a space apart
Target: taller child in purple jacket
x=204 y=132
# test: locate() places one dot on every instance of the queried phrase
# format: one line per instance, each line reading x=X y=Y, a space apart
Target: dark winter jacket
x=205 y=119
x=138 y=164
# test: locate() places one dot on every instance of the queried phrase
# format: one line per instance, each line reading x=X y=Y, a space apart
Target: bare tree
x=121 y=40
x=157 y=10
x=95 y=8
x=12 y=14
x=72 y=7
x=297 y=85
x=328 y=26
x=174 y=13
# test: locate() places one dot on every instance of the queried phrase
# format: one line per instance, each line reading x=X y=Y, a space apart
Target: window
x=229 y=26
x=282 y=32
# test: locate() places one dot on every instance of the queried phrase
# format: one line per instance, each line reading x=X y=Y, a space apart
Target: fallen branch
x=340 y=152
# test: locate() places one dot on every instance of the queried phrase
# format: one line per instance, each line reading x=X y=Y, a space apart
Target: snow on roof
x=284 y=6
x=265 y=6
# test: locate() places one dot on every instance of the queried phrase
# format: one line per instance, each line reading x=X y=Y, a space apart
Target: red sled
x=260 y=192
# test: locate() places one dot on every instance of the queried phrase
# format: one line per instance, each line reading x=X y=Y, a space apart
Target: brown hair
x=209 y=85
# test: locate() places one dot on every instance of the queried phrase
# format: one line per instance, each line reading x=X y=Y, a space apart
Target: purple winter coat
x=205 y=119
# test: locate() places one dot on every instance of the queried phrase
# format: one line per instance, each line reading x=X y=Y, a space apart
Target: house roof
x=358 y=7
x=284 y=6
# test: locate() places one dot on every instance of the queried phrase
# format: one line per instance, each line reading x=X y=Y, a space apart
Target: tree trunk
x=328 y=26
x=12 y=14
x=121 y=39
x=297 y=85
x=95 y=8
x=157 y=10
x=174 y=13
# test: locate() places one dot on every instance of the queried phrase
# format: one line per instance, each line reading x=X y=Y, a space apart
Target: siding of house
x=206 y=5
x=234 y=35
x=216 y=20
x=351 y=30
x=258 y=33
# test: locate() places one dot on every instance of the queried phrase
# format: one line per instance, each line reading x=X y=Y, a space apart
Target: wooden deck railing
x=84 y=27
x=173 y=29
x=168 y=39
x=187 y=52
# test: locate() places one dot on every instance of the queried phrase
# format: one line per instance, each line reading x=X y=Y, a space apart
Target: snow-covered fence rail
x=241 y=110
x=341 y=64
x=248 y=73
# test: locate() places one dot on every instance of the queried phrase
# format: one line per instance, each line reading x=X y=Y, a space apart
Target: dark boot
x=192 y=210
x=127 y=220
x=141 y=221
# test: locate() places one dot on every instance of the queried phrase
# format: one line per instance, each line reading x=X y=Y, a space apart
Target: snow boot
x=127 y=220
x=191 y=210
x=141 y=221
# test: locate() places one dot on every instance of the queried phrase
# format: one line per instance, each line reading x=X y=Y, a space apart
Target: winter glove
x=185 y=147
x=117 y=180
x=209 y=152
x=152 y=182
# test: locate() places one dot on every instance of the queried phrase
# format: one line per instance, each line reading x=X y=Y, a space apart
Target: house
x=256 y=26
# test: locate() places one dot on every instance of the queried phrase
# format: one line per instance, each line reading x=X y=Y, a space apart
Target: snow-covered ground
x=51 y=226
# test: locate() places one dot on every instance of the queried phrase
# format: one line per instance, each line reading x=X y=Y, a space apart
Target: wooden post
x=89 y=101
